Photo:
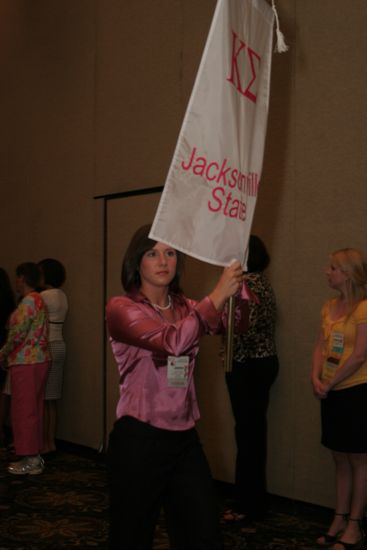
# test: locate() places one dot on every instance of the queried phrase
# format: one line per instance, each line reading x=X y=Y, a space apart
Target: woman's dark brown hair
x=31 y=273
x=53 y=271
x=258 y=256
x=139 y=245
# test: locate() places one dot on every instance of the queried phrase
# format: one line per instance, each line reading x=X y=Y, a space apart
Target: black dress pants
x=249 y=385
x=150 y=468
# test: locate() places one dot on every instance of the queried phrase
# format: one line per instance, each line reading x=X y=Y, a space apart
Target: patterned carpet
x=66 y=507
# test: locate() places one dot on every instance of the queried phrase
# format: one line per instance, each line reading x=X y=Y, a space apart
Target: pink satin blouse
x=141 y=341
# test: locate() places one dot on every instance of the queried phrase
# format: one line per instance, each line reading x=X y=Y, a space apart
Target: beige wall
x=92 y=98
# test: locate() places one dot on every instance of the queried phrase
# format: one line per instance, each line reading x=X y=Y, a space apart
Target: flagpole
x=230 y=332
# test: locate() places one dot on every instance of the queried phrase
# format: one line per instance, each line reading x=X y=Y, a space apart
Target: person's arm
x=316 y=369
x=129 y=322
x=230 y=278
x=227 y=286
x=19 y=324
x=355 y=360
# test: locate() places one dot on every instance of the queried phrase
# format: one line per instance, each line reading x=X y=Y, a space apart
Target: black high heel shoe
x=359 y=543
x=332 y=539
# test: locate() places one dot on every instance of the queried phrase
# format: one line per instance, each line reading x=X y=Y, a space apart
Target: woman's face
x=335 y=276
x=158 y=266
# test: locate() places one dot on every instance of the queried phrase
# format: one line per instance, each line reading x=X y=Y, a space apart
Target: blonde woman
x=339 y=380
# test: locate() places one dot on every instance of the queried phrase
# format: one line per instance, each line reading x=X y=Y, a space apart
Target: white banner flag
x=208 y=202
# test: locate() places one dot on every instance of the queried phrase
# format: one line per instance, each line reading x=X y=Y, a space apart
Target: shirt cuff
x=208 y=313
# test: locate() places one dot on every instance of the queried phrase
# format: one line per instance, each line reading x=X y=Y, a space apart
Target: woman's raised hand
x=229 y=283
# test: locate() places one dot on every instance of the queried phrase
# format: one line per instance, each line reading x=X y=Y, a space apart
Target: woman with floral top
x=255 y=367
x=26 y=354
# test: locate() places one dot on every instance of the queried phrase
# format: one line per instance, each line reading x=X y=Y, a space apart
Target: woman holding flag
x=155 y=456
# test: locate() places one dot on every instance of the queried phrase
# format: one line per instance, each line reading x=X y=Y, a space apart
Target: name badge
x=337 y=343
x=178 y=371
x=337 y=348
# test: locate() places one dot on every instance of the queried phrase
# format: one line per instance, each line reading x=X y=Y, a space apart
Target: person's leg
x=190 y=502
x=49 y=425
x=358 y=501
x=136 y=483
x=5 y=420
x=27 y=383
x=249 y=386
x=53 y=392
x=4 y=417
x=358 y=463
x=52 y=404
x=237 y=382
x=45 y=448
x=41 y=374
x=251 y=436
x=343 y=479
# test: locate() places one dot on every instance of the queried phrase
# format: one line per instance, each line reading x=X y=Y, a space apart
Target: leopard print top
x=259 y=340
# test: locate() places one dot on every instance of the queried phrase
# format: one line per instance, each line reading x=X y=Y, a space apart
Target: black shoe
x=359 y=543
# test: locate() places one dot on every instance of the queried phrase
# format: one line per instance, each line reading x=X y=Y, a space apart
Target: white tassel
x=280 y=46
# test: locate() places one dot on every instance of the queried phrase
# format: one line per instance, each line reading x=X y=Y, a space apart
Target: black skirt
x=344 y=420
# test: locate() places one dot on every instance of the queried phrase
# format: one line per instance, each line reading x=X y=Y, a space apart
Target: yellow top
x=339 y=338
